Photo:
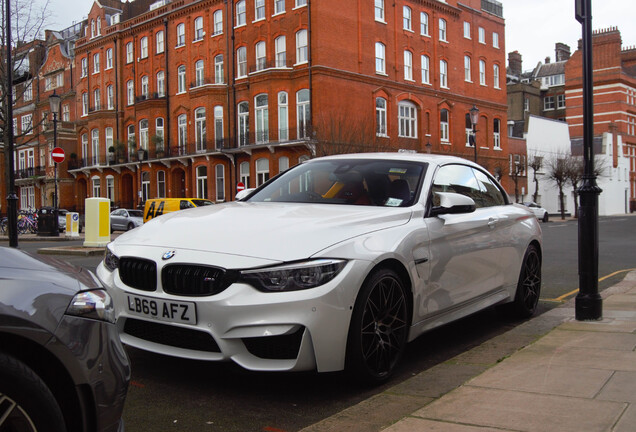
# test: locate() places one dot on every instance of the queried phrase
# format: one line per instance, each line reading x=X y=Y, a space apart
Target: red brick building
x=219 y=92
x=614 y=70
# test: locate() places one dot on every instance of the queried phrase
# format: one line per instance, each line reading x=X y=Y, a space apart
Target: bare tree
x=557 y=170
x=27 y=23
x=576 y=170
x=536 y=163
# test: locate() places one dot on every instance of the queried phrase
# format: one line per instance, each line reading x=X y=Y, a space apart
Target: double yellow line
x=564 y=296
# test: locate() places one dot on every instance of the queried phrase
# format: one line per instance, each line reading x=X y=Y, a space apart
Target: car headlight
x=293 y=277
x=111 y=261
x=96 y=304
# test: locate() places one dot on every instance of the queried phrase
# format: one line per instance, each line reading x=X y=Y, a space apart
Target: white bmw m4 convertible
x=337 y=263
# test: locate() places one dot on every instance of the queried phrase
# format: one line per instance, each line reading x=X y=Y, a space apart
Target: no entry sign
x=57 y=155
x=240 y=186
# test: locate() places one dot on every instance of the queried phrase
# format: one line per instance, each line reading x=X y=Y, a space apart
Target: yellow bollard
x=97 y=222
x=72 y=224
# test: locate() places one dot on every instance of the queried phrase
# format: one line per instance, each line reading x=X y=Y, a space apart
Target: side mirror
x=453 y=203
x=243 y=194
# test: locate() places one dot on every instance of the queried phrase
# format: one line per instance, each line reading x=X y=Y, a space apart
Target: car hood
x=273 y=231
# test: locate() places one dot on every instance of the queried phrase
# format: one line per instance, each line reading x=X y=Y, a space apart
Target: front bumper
x=289 y=331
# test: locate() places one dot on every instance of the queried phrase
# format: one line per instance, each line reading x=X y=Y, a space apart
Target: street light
x=474 y=118
x=54 y=102
x=141 y=154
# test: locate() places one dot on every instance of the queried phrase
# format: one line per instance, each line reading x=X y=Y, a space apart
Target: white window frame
x=442 y=30
x=495 y=40
x=109 y=58
x=161 y=84
x=283 y=116
x=380 y=55
x=218 y=127
x=95 y=147
x=424 y=24
x=280 y=44
x=181 y=79
x=301 y=47
x=202 y=181
x=262 y=171
x=408 y=65
x=143 y=133
x=129 y=53
x=482 y=72
x=96 y=63
x=380 y=117
x=180 y=35
x=145 y=87
x=444 y=126
x=241 y=19
x=279 y=7
x=84 y=104
x=407 y=18
x=443 y=74
x=182 y=132
x=261 y=118
x=241 y=62
x=199 y=73
x=161 y=184
x=200 y=126
x=260 y=52
x=496 y=128
x=303 y=112
x=219 y=77
x=130 y=92
x=243 y=113
x=379 y=10
x=97 y=99
x=143 y=47
x=160 y=45
x=467 y=69
x=218 y=22
x=426 y=69
x=495 y=76
x=259 y=10
x=482 y=35
x=467 y=30
x=219 y=174
x=198 y=29
x=407 y=120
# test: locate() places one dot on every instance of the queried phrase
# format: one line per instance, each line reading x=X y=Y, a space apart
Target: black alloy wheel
x=529 y=285
x=379 y=327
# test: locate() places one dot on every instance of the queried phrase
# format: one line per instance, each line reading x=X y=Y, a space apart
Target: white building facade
x=549 y=140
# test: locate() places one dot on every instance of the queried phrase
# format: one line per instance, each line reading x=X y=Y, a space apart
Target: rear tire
x=545 y=217
x=528 y=286
x=29 y=404
x=379 y=328
x=130 y=226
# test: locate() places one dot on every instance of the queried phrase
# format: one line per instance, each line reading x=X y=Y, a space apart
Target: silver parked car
x=62 y=365
x=125 y=219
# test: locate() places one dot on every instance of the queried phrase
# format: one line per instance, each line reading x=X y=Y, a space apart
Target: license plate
x=162 y=310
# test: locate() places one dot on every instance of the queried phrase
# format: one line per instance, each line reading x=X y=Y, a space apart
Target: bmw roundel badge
x=168 y=255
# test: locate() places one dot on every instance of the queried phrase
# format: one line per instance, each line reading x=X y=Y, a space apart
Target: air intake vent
x=193 y=280
x=138 y=273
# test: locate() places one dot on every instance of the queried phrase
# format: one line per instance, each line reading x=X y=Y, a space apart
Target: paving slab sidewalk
x=552 y=373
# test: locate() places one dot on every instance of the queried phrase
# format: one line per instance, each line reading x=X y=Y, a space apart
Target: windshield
x=366 y=182
x=201 y=202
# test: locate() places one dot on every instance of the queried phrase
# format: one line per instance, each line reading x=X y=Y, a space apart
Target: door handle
x=492 y=222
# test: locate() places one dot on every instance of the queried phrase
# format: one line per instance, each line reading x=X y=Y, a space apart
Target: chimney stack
x=515 y=63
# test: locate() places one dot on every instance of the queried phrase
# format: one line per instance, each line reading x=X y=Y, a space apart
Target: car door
x=116 y=220
x=465 y=249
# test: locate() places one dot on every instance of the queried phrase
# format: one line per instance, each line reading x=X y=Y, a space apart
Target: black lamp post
x=54 y=102
x=589 y=303
x=141 y=154
x=474 y=118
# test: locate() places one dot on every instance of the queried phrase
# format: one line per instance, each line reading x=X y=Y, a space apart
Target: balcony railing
x=29 y=173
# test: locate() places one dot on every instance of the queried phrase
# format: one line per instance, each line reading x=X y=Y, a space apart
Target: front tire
x=545 y=217
x=28 y=404
x=379 y=328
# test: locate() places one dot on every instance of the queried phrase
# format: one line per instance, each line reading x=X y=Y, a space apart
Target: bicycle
x=27 y=222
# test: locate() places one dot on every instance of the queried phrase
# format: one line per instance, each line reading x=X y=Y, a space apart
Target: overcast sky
x=532 y=26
